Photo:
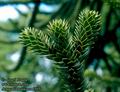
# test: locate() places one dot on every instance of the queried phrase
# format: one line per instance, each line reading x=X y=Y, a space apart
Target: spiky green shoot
x=69 y=51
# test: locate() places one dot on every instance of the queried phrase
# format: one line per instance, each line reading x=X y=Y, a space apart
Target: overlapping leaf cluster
x=66 y=49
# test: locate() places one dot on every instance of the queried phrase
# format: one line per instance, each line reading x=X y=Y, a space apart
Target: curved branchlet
x=87 y=29
x=68 y=51
x=59 y=30
x=36 y=40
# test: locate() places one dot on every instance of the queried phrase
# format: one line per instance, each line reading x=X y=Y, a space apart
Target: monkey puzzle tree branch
x=69 y=51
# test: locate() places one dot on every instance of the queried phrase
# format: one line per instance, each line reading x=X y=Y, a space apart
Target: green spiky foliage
x=87 y=30
x=69 y=51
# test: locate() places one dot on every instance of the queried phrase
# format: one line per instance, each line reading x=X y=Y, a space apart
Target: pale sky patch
x=8 y=12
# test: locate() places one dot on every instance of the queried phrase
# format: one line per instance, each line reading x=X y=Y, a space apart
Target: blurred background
x=102 y=69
